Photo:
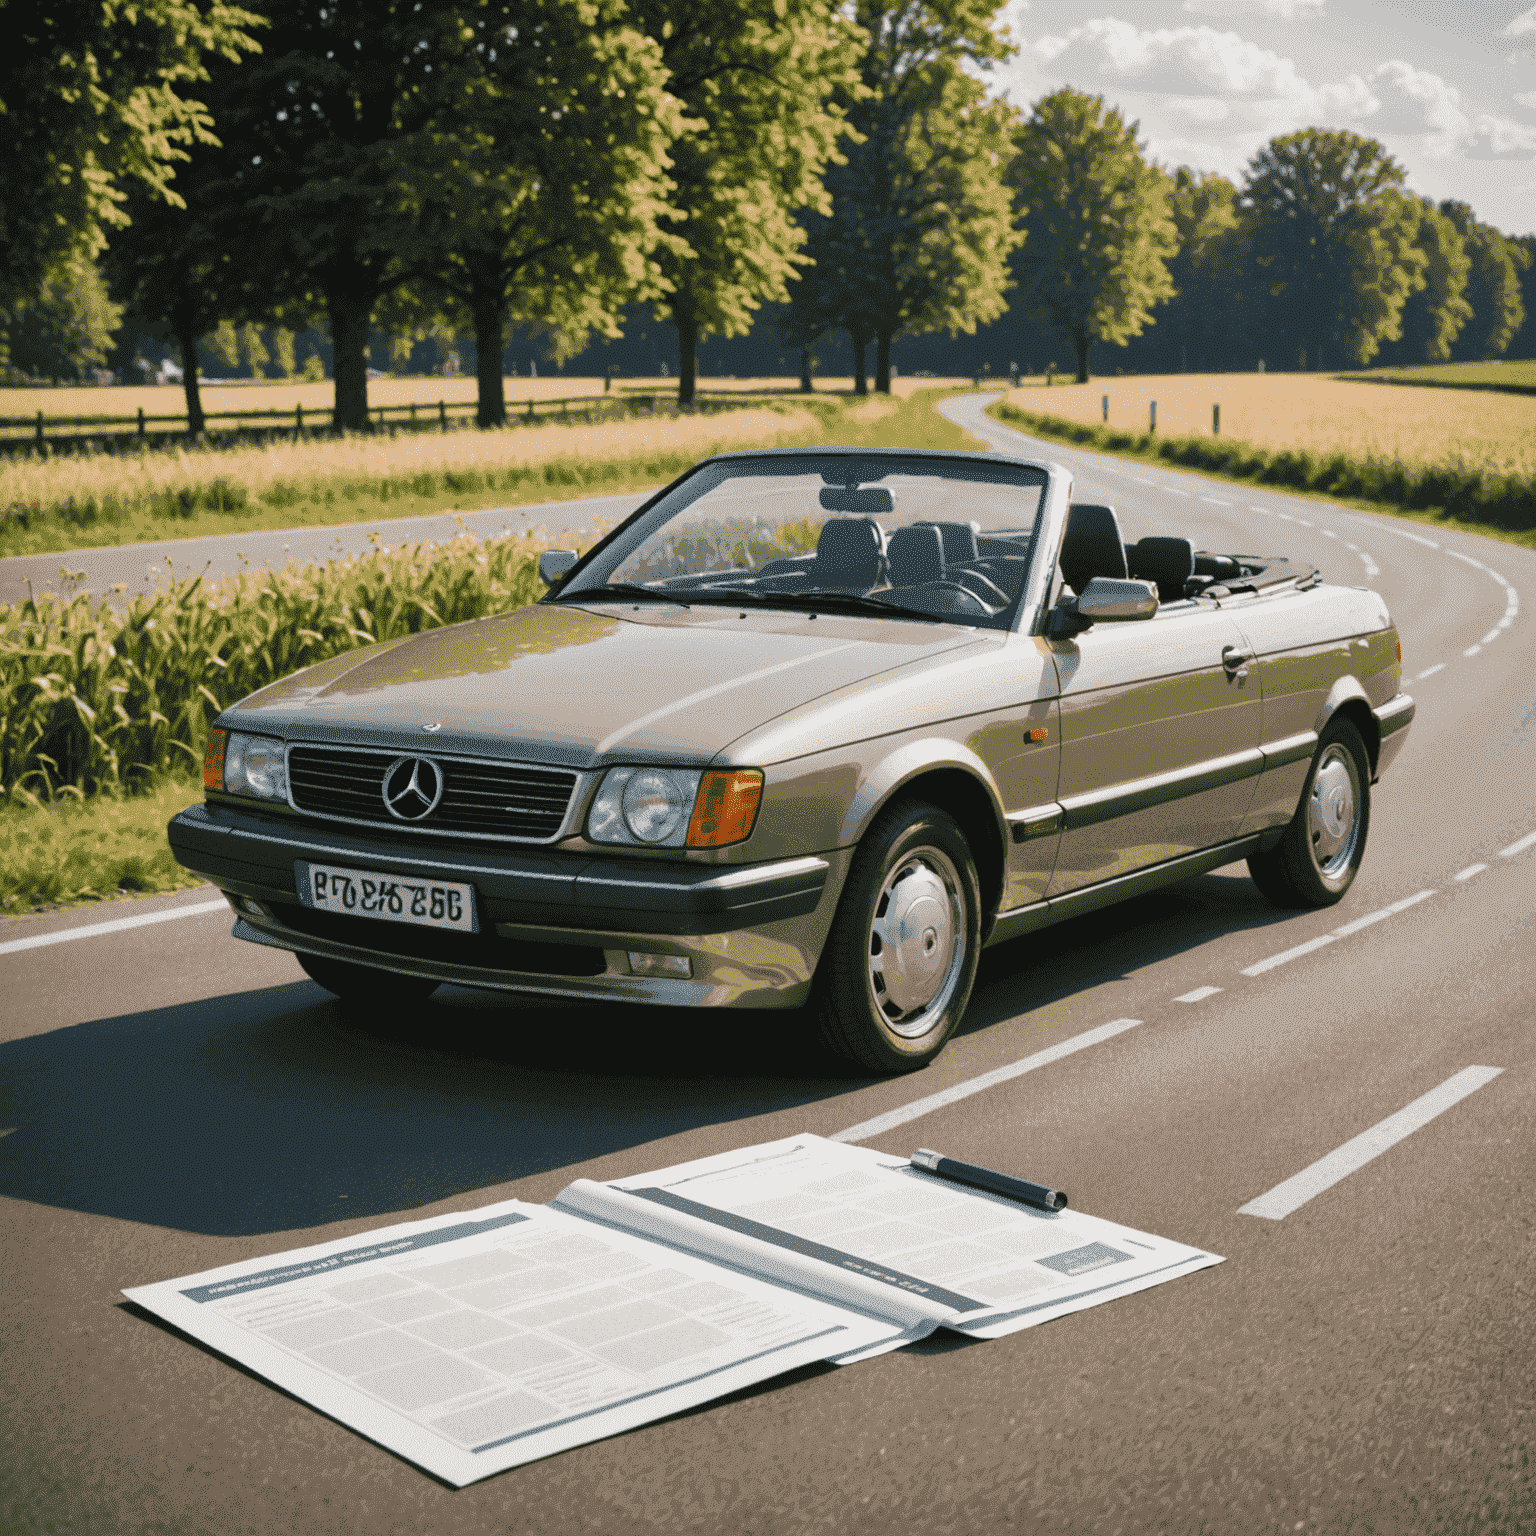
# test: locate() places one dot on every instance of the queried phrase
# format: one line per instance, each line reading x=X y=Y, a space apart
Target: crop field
x=1517 y=376
x=1493 y=433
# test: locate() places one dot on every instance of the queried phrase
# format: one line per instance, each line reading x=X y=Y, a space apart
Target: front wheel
x=901 y=957
x=363 y=986
x=1316 y=859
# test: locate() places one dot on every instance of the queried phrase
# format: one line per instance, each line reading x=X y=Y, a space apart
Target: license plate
x=391 y=898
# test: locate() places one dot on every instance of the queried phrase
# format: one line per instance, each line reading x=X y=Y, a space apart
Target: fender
x=906 y=763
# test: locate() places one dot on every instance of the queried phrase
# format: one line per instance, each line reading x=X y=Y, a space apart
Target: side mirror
x=554 y=564
x=1103 y=600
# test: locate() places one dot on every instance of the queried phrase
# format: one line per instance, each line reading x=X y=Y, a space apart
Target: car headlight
x=252 y=765
x=675 y=807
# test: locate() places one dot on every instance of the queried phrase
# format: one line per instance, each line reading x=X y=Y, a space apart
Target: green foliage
x=94 y=96
x=1493 y=286
x=920 y=226
x=77 y=849
x=1096 y=216
x=92 y=698
x=1461 y=490
x=1206 y=269
x=756 y=83
x=1334 y=242
x=1437 y=311
x=67 y=330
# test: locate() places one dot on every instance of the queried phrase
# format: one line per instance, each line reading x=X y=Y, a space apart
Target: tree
x=1094 y=262
x=535 y=186
x=1334 y=242
x=1524 y=343
x=1196 y=325
x=756 y=83
x=67 y=330
x=1493 y=286
x=94 y=98
x=920 y=228
x=1437 y=310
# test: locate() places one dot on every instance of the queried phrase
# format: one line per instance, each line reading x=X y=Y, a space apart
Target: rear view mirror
x=554 y=564
x=1104 y=600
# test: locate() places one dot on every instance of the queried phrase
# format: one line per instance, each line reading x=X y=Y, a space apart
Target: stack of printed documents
x=475 y=1342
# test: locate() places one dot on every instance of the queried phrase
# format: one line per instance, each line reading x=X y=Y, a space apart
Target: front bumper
x=553 y=923
x=1392 y=722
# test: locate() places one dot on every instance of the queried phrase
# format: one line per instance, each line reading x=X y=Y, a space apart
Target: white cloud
x=1270 y=10
x=1526 y=99
x=1500 y=138
x=1417 y=101
x=1523 y=30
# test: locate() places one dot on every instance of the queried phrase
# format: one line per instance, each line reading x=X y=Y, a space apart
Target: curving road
x=1364 y=1361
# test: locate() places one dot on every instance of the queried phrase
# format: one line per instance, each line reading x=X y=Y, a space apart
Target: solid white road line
x=1361 y=922
x=1528 y=841
x=1327 y=1171
x=920 y=1107
x=117 y=925
x=1490 y=637
x=1289 y=954
x=1199 y=995
x=1409 y=901
x=1417 y=538
x=1439 y=666
x=1473 y=650
x=1469 y=871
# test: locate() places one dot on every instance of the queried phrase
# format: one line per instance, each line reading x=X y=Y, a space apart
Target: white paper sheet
x=472 y=1343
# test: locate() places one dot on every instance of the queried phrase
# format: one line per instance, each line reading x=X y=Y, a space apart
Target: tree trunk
x=490 y=341
x=350 y=309
x=186 y=340
x=685 y=317
x=860 y=340
x=1082 y=344
x=806 y=386
x=883 y=363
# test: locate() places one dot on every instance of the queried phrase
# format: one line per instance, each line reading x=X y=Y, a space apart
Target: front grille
x=480 y=799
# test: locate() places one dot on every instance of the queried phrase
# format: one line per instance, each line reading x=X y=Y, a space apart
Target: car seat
x=1169 y=563
x=850 y=553
x=1091 y=546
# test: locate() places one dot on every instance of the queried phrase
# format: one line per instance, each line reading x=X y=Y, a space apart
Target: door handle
x=1235 y=662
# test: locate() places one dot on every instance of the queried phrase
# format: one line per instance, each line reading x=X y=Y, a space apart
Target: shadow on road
x=277 y=1109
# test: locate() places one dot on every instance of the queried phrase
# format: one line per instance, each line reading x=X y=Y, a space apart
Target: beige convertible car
x=810 y=729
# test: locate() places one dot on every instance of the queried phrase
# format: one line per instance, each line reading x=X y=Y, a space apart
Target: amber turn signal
x=213 y=760
x=726 y=808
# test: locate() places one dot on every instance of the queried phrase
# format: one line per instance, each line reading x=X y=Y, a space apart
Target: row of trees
x=475 y=164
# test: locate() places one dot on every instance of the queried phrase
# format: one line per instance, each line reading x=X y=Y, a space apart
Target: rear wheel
x=900 y=960
x=1316 y=859
x=364 y=986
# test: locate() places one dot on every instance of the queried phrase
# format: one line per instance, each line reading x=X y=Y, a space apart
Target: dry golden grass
x=1495 y=432
x=169 y=399
x=360 y=459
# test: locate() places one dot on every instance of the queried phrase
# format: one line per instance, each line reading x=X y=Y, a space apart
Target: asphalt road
x=142 y=568
x=172 y=1100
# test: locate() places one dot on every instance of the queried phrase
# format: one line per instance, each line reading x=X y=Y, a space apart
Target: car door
x=1160 y=722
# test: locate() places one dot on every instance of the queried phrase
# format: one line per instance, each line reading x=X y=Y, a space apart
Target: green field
x=1514 y=377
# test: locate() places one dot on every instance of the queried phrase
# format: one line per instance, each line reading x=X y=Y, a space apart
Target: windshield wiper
x=624 y=589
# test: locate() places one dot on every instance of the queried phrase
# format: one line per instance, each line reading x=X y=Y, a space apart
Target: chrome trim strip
x=757 y=874
x=1038 y=821
x=581 y=779
x=1396 y=714
x=1289 y=749
x=1140 y=794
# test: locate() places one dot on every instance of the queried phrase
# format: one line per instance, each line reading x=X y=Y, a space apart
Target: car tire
x=1316 y=859
x=363 y=986
x=900 y=961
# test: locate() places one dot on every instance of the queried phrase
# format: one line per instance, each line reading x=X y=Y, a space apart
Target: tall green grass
x=93 y=698
x=1459 y=489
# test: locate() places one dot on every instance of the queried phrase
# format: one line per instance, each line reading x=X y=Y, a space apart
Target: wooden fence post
x=413 y=410
x=1153 y=427
x=298 y=419
x=530 y=410
x=442 y=414
x=1106 y=409
x=141 y=421
x=1216 y=420
x=39 y=429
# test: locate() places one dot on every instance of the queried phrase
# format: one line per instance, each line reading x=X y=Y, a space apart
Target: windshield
x=892 y=534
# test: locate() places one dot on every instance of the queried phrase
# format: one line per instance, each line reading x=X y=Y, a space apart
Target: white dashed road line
x=953 y=1095
x=1528 y=841
x=1216 y=501
x=117 y=925
x=1367 y=921
x=1439 y=666
x=1356 y=1153
x=1469 y=871
x=1288 y=954
x=1199 y=995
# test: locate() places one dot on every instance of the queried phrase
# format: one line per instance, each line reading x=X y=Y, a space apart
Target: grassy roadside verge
x=1445 y=496
x=59 y=504
x=78 y=851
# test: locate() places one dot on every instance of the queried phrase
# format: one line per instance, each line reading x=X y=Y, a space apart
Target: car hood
x=576 y=686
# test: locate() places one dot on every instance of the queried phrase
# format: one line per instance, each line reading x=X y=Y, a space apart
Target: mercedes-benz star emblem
x=412 y=788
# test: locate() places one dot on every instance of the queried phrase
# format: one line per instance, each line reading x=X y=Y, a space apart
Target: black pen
x=985 y=1178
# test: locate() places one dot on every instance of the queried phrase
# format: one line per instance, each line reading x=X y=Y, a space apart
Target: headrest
x=849 y=552
x=1091 y=546
x=1168 y=562
x=959 y=540
x=916 y=555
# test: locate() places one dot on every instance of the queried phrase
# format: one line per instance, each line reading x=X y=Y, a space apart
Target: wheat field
x=1493 y=432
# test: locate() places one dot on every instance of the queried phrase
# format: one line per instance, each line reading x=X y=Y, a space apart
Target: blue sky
x=1449 y=88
